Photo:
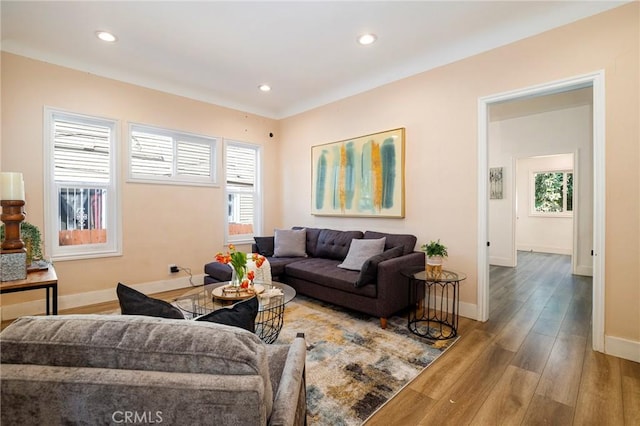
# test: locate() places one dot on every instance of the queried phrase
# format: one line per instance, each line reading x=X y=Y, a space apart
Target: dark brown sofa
x=380 y=290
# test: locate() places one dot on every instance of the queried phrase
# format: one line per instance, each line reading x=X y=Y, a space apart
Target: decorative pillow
x=132 y=302
x=242 y=314
x=361 y=250
x=369 y=271
x=265 y=245
x=290 y=243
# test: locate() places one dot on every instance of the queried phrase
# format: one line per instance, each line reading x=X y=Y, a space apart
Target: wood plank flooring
x=530 y=364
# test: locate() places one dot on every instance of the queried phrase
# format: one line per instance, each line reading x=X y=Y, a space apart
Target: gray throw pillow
x=361 y=250
x=369 y=271
x=290 y=243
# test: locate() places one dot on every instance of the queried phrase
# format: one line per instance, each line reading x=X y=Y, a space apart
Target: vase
x=434 y=266
x=237 y=275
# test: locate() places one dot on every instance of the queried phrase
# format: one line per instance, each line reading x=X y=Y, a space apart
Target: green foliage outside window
x=550 y=196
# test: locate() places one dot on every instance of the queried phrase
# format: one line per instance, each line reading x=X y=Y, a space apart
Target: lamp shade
x=11 y=186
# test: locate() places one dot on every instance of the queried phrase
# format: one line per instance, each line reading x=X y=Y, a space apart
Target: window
x=166 y=156
x=552 y=193
x=244 y=216
x=81 y=197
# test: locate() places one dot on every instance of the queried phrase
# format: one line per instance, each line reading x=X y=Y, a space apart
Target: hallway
x=530 y=364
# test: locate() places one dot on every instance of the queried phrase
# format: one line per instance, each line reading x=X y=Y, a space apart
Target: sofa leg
x=383 y=323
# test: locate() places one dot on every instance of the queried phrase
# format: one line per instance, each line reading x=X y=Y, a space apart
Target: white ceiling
x=220 y=52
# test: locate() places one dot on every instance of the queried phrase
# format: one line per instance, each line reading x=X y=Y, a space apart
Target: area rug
x=354 y=366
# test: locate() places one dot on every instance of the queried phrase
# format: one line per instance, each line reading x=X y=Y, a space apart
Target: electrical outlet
x=173 y=268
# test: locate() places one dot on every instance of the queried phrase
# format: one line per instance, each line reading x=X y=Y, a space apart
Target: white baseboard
x=544 y=249
x=586 y=271
x=501 y=261
x=469 y=310
x=622 y=348
x=37 y=307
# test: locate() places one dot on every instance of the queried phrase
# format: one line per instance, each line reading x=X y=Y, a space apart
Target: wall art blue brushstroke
x=363 y=176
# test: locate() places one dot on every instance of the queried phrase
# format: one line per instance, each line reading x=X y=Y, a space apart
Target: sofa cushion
x=369 y=271
x=325 y=272
x=290 y=243
x=334 y=244
x=407 y=241
x=132 y=302
x=361 y=250
x=218 y=270
x=278 y=264
x=137 y=343
x=265 y=245
x=312 y=239
x=242 y=314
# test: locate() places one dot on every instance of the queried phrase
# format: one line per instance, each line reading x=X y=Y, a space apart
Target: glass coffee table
x=272 y=299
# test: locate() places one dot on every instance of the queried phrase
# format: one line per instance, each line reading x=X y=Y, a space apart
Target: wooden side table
x=434 y=302
x=46 y=279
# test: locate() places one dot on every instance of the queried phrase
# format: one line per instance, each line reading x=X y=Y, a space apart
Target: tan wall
x=438 y=108
x=439 y=111
x=162 y=224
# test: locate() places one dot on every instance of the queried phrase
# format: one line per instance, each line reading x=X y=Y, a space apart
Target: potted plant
x=30 y=234
x=435 y=252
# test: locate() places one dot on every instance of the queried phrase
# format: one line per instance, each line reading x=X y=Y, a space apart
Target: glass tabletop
x=444 y=276
x=201 y=300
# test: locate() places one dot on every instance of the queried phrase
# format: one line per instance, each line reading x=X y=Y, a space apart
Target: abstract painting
x=363 y=176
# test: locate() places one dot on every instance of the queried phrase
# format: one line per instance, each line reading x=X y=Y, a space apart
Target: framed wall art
x=359 y=177
x=495 y=183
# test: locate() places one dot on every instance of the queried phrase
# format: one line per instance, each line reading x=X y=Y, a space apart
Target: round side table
x=434 y=303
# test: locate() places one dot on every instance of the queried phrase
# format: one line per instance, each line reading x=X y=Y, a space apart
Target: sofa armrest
x=289 y=406
x=393 y=287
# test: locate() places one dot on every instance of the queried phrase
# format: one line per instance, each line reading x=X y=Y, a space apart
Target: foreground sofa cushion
x=141 y=343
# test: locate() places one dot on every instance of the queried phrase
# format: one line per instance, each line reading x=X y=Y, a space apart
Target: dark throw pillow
x=242 y=314
x=132 y=302
x=265 y=245
x=369 y=271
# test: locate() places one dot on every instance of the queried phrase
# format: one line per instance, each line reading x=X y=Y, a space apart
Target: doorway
x=596 y=82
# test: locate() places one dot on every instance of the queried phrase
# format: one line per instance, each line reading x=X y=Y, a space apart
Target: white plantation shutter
x=241 y=167
x=168 y=156
x=81 y=151
x=194 y=159
x=80 y=173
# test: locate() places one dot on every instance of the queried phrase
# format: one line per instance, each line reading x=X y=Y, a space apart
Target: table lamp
x=13 y=256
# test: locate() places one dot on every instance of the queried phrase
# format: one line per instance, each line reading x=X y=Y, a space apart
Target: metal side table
x=434 y=303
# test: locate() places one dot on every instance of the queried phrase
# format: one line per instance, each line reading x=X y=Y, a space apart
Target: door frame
x=596 y=81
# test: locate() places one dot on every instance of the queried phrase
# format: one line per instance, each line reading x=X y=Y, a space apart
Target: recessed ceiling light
x=264 y=87
x=366 y=39
x=106 y=36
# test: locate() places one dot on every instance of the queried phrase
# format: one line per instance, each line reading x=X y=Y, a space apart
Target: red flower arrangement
x=238 y=261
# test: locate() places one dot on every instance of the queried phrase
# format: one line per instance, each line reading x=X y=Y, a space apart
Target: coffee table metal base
x=269 y=320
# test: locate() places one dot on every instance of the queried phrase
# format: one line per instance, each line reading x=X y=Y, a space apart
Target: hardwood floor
x=530 y=364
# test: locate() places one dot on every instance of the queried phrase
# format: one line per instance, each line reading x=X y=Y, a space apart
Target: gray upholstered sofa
x=109 y=369
x=315 y=273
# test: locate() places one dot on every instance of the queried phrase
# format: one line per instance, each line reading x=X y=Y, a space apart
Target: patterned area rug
x=354 y=366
